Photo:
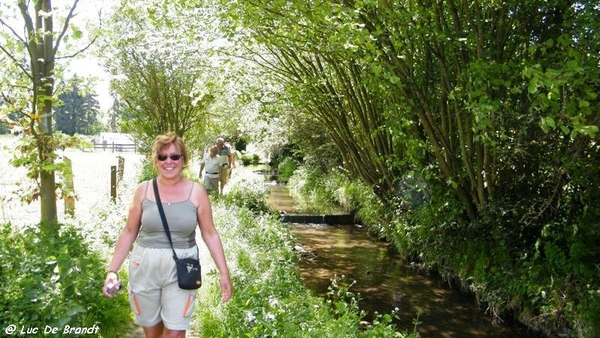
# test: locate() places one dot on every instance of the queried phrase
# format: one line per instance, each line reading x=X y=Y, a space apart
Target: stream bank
x=385 y=282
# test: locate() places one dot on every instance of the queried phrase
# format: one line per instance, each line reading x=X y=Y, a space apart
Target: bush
x=54 y=279
x=320 y=193
x=248 y=160
x=286 y=169
x=247 y=190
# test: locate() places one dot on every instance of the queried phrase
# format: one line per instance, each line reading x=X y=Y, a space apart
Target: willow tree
x=161 y=97
x=33 y=50
x=473 y=82
x=336 y=93
x=162 y=70
x=326 y=82
x=497 y=104
x=494 y=86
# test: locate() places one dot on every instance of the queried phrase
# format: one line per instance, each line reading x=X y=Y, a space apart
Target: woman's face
x=170 y=162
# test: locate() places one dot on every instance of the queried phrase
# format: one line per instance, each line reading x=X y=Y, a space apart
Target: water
x=386 y=282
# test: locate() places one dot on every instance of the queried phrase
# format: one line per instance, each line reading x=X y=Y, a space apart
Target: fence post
x=121 y=168
x=113 y=183
x=70 y=188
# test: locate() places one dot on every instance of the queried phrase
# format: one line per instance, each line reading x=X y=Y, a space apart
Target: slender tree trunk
x=40 y=37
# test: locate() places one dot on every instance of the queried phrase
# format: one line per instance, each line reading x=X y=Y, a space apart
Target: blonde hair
x=163 y=141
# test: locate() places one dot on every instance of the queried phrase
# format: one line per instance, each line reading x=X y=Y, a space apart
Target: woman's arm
x=211 y=237
x=127 y=236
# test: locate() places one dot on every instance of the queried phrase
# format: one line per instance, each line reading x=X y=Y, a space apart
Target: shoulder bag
x=188 y=269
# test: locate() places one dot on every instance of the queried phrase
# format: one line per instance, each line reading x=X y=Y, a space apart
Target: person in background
x=226 y=161
x=159 y=305
x=211 y=167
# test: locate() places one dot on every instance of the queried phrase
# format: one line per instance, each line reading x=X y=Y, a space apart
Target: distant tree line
x=77 y=113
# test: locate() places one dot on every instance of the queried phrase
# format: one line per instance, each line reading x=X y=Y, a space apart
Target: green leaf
x=75 y=309
x=77 y=33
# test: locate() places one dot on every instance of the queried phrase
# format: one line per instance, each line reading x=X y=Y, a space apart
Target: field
x=91 y=183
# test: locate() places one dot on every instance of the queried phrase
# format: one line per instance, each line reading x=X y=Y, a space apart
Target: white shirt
x=211 y=165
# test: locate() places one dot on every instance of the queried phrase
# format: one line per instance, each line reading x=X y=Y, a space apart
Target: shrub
x=247 y=190
x=286 y=169
x=250 y=159
x=246 y=160
x=54 y=279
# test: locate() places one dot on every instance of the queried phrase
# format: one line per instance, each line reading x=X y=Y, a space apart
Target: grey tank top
x=182 y=218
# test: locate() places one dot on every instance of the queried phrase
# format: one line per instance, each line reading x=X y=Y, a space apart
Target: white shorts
x=211 y=184
x=154 y=294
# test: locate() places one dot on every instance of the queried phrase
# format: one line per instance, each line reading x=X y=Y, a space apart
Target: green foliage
x=247 y=190
x=26 y=154
x=31 y=74
x=255 y=159
x=318 y=192
x=166 y=81
x=148 y=171
x=248 y=159
x=547 y=274
x=78 y=113
x=286 y=169
x=55 y=279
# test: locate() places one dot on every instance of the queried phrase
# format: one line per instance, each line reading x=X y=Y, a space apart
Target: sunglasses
x=174 y=157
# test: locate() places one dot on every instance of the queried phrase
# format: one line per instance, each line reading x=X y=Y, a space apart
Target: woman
x=159 y=305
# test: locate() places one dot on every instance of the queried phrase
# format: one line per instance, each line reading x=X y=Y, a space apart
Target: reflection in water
x=385 y=282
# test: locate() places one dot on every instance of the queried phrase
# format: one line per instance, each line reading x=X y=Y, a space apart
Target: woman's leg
x=155 y=331
x=174 y=334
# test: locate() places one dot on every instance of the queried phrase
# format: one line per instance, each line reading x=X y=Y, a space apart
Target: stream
x=386 y=283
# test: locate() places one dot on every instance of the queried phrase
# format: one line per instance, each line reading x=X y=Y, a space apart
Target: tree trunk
x=41 y=50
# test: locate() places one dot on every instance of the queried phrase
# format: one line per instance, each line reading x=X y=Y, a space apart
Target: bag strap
x=163 y=217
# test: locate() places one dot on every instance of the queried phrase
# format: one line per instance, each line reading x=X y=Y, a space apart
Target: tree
x=118 y=117
x=33 y=56
x=78 y=113
x=494 y=104
x=449 y=96
x=327 y=81
x=159 y=95
x=162 y=80
x=181 y=41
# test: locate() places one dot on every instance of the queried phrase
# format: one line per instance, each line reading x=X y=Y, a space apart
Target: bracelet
x=111 y=271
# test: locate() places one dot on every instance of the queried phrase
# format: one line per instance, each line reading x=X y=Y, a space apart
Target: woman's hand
x=226 y=288
x=111 y=285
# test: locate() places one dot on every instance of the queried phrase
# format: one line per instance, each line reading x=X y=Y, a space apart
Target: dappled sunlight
x=385 y=282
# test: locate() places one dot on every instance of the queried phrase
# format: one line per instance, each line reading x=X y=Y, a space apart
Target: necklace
x=175 y=185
